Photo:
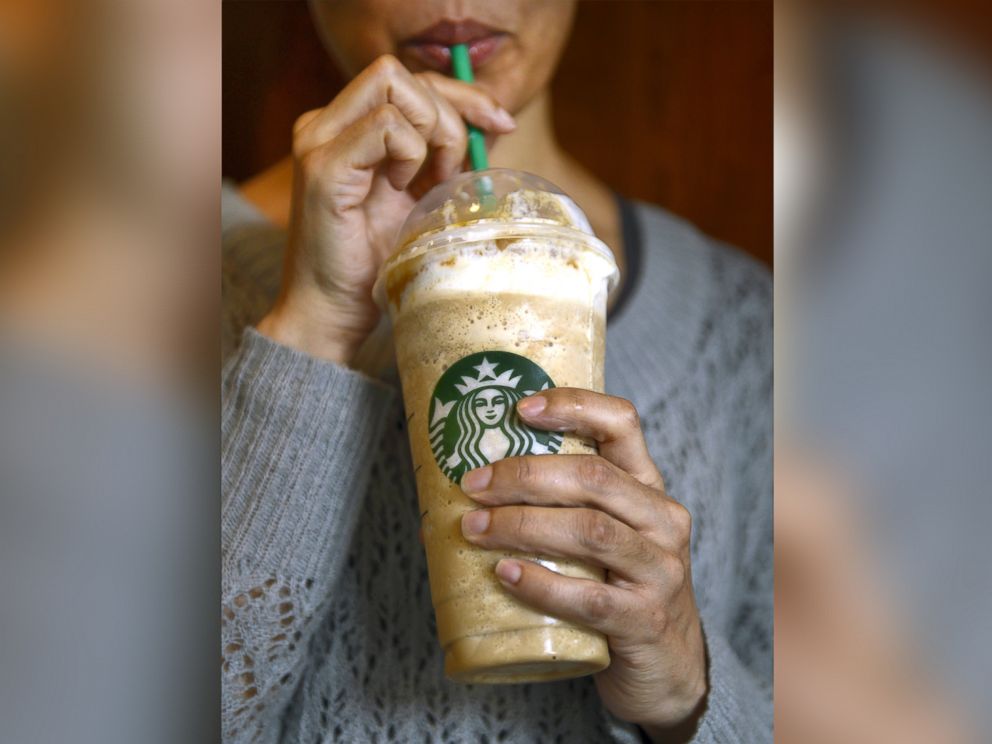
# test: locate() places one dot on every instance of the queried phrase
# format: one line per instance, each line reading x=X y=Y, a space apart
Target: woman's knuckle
x=681 y=520
x=521 y=520
x=596 y=473
x=597 y=603
x=642 y=551
x=525 y=472
x=431 y=115
x=597 y=531
x=451 y=137
x=303 y=120
x=424 y=116
x=387 y=65
x=419 y=151
x=628 y=415
x=674 y=571
x=386 y=115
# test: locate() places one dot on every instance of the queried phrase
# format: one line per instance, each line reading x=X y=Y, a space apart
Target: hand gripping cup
x=498 y=291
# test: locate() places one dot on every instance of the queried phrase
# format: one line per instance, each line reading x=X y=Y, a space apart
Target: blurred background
x=883 y=359
x=109 y=283
x=688 y=88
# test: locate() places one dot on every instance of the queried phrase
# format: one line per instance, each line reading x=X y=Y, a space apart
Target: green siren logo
x=473 y=416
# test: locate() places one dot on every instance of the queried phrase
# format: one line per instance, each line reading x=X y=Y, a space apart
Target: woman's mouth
x=431 y=47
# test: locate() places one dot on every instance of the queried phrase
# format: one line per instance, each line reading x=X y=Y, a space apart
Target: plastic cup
x=498 y=290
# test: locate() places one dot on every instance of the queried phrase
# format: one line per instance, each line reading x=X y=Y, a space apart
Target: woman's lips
x=432 y=47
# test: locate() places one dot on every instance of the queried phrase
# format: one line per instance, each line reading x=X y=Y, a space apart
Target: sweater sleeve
x=297 y=434
x=739 y=707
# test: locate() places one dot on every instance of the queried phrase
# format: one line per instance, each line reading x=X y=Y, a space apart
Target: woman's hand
x=355 y=162
x=609 y=510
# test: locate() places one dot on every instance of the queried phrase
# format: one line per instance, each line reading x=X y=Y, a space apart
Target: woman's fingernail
x=503 y=119
x=477 y=480
x=475 y=522
x=532 y=406
x=509 y=571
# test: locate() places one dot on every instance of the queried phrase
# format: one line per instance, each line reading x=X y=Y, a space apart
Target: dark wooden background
x=674 y=106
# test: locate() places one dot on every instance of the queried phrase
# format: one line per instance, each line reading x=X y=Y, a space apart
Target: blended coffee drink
x=498 y=291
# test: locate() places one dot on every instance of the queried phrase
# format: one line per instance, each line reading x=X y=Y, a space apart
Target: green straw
x=461 y=63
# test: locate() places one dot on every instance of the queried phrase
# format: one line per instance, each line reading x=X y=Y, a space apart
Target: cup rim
x=485 y=230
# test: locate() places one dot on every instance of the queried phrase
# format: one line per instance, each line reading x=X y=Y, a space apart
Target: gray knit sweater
x=328 y=630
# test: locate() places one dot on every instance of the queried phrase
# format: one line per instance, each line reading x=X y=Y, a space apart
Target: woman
x=328 y=628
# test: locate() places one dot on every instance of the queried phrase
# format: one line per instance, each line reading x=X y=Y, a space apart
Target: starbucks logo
x=473 y=416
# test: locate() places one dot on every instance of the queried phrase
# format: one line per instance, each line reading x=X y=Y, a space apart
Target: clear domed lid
x=500 y=208
x=497 y=195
